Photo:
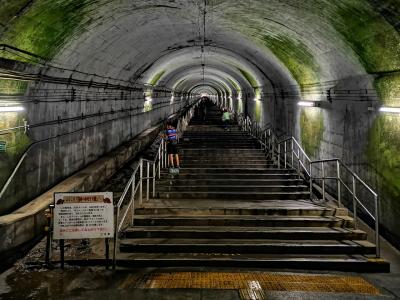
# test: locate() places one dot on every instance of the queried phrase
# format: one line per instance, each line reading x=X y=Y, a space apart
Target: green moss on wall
x=384 y=153
x=249 y=77
x=374 y=40
x=235 y=86
x=13 y=87
x=157 y=77
x=9 y=9
x=253 y=82
x=45 y=27
x=296 y=57
x=258 y=111
x=388 y=89
x=311 y=129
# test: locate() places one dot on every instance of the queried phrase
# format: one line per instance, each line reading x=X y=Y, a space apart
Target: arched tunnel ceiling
x=286 y=41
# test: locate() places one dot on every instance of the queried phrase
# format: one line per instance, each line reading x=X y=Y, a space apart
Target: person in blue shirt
x=172 y=146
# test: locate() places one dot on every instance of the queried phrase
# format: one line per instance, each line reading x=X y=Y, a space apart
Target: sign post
x=83 y=216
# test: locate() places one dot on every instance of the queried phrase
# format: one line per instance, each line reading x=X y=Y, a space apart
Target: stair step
x=238 y=176
x=271 y=261
x=219 y=181
x=251 y=188
x=230 y=246
x=272 y=211
x=228 y=220
x=235 y=195
x=218 y=232
x=234 y=170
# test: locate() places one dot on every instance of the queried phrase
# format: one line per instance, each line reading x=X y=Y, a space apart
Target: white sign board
x=83 y=215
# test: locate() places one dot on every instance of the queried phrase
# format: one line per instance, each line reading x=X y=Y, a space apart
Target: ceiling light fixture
x=11 y=108
x=393 y=110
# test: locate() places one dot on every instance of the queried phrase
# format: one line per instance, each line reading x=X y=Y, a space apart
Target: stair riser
x=246 y=235
x=229 y=161
x=231 y=222
x=239 y=212
x=166 y=176
x=232 y=188
x=248 y=249
x=221 y=152
x=235 y=171
x=220 y=158
x=226 y=165
x=230 y=196
x=231 y=262
x=182 y=182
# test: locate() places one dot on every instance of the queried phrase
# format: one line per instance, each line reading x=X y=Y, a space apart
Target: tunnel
x=85 y=85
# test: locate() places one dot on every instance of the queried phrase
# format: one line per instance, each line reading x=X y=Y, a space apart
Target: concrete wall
x=24 y=226
x=348 y=127
x=76 y=125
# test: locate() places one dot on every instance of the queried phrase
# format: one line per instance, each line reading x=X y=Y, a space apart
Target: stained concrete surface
x=97 y=283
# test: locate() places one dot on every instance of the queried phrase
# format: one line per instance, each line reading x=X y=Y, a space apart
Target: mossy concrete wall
x=293 y=50
x=70 y=143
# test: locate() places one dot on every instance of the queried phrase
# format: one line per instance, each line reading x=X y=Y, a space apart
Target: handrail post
x=133 y=198
x=292 y=153
x=377 y=240
x=159 y=162
x=285 y=147
x=115 y=239
x=354 y=202
x=269 y=139
x=141 y=182
x=323 y=181
x=339 y=183
x=298 y=161
x=154 y=181
x=279 y=156
x=161 y=150
x=311 y=181
x=147 y=181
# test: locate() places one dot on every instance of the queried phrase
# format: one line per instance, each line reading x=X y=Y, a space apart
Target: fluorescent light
x=306 y=103
x=395 y=110
x=11 y=108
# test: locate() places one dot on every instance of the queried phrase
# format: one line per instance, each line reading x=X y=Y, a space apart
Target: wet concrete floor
x=34 y=282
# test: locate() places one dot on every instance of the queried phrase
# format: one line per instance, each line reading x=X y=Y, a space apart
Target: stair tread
x=240 y=217
x=247 y=256
x=242 y=229
x=247 y=242
x=238 y=186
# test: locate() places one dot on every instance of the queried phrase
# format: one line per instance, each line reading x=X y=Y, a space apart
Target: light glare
x=11 y=108
x=306 y=103
x=395 y=110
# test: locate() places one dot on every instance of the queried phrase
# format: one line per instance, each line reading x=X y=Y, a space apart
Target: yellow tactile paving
x=255 y=283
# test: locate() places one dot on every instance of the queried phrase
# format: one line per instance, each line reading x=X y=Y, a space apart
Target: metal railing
x=135 y=183
x=288 y=153
x=134 y=186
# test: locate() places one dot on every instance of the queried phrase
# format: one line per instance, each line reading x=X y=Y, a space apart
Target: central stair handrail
x=289 y=154
x=135 y=185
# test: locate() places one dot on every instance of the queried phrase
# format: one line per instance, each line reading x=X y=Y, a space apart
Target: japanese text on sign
x=81 y=216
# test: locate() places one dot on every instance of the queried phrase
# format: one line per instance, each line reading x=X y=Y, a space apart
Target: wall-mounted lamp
x=11 y=108
x=308 y=103
x=393 y=110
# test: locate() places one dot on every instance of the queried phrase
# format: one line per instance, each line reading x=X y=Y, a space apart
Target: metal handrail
x=160 y=161
x=300 y=159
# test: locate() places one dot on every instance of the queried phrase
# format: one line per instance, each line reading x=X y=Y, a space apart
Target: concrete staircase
x=232 y=207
